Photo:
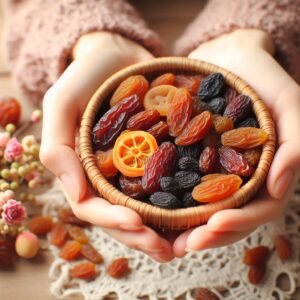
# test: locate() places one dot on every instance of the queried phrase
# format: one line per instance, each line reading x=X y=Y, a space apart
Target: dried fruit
x=222 y=124
x=104 y=161
x=205 y=294
x=234 y=162
x=170 y=185
x=164 y=79
x=216 y=105
x=160 y=98
x=90 y=253
x=256 y=255
x=113 y=122
x=10 y=111
x=165 y=200
x=27 y=245
x=160 y=164
x=131 y=152
x=160 y=131
x=40 y=225
x=217 y=189
x=78 y=234
x=198 y=106
x=249 y=122
x=187 y=179
x=283 y=247
x=196 y=129
x=190 y=82
x=71 y=251
x=192 y=151
x=211 y=86
x=188 y=200
x=252 y=156
x=132 y=187
x=180 y=111
x=118 y=268
x=212 y=139
x=188 y=164
x=67 y=216
x=136 y=84
x=143 y=120
x=84 y=270
x=230 y=94
x=58 y=234
x=238 y=108
x=208 y=160
x=244 y=138
x=211 y=176
x=256 y=273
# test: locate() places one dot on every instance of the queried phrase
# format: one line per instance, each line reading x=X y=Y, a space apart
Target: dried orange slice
x=160 y=98
x=131 y=151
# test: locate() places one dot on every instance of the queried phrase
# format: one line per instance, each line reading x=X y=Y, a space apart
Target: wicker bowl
x=182 y=218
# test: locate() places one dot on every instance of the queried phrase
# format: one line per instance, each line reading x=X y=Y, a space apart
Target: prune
x=211 y=86
x=216 y=105
x=143 y=120
x=187 y=179
x=188 y=164
x=238 y=108
x=192 y=151
x=188 y=200
x=160 y=164
x=208 y=160
x=113 y=122
x=164 y=79
x=132 y=186
x=249 y=122
x=170 y=185
x=165 y=200
x=222 y=124
x=160 y=131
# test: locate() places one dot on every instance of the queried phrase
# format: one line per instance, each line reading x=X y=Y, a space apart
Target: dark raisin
x=188 y=200
x=192 y=151
x=188 y=164
x=165 y=200
x=132 y=186
x=170 y=185
x=249 y=122
x=238 y=108
x=217 y=105
x=187 y=179
x=211 y=87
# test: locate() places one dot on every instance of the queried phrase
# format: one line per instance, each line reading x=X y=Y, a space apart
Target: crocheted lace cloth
x=219 y=269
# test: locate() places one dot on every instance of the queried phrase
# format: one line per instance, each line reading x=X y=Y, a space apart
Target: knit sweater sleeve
x=279 y=18
x=42 y=33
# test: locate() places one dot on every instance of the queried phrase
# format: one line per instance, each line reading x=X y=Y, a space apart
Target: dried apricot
x=256 y=255
x=40 y=225
x=283 y=247
x=78 y=234
x=160 y=131
x=90 y=253
x=164 y=79
x=71 y=251
x=58 y=234
x=222 y=124
x=10 y=111
x=84 y=270
x=104 y=161
x=118 y=268
x=143 y=120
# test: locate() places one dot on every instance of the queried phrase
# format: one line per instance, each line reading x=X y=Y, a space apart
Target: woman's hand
x=248 y=54
x=96 y=56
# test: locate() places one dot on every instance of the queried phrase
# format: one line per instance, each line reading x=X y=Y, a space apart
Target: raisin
x=192 y=151
x=160 y=164
x=196 y=129
x=244 y=138
x=71 y=251
x=84 y=270
x=198 y=106
x=160 y=131
x=90 y=253
x=58 y=234
x=170 y=185
x=217 y=189
x=249 y=122
x=118 y=268
x=40 y=225
x=113 y=122
x=256 y=255
x=67 y=216
x=234 y=162
x=143 y=120
x=211 y=86
x=253 y=156
x=133 y=85
x=188 y=164
x=10 y=111
x=212 y=139
x=211 y=176
x=187 y=179
x=180 y=111
x=208 y=160
x=164 y=79
x=78 y=234
x=205 y=294
x=238 y=108
x=216 y=105
x=283 y=247
x=256 y=273
x=165 y=200
x=230 y=94
x=222 y=124
x=132 y=186
x=188 y=200
x=191 y=82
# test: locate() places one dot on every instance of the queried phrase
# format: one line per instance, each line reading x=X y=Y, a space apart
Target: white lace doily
x=219 y=269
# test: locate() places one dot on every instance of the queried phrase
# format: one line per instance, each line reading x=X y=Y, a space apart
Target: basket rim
x=198 y=213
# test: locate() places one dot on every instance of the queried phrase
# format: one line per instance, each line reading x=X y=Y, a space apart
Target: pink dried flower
x=5 y=196
x=13 y=212
x=4 y=138
x=13 y=150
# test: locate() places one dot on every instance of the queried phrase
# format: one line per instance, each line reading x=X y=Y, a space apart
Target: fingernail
x=70 y=187
x=130 y=227
x=281 y=186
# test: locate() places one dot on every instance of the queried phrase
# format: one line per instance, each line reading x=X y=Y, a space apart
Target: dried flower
x=13 y=212
x=5 y=196
x=13 y=150
x=4 y=138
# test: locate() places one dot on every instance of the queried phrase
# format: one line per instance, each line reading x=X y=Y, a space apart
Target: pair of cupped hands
x=96 y=56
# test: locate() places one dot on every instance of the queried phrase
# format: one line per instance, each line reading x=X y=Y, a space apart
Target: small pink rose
x=13 y=212
x=13 y=150
x=4 y=138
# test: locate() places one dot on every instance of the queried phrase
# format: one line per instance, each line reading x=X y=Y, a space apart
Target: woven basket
x=182 y=218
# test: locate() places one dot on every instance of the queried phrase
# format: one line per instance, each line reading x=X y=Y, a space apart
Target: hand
x=96 y=56
x=248 y=54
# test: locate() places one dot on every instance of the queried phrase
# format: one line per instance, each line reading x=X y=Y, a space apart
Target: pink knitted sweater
x=42 y=33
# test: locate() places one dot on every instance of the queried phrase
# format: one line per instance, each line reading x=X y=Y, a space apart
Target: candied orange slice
x=105 y=163
x=160 y=98
x=131 y=152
